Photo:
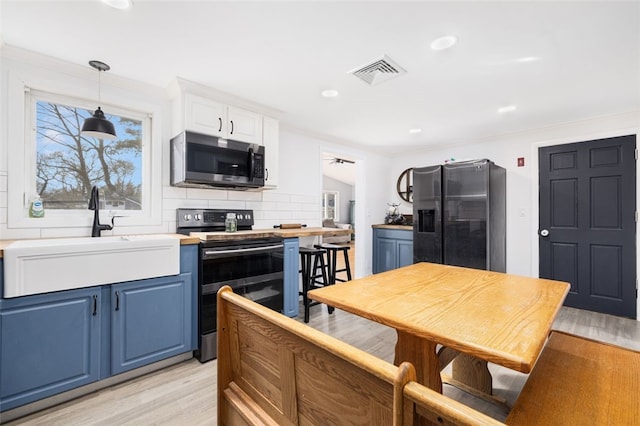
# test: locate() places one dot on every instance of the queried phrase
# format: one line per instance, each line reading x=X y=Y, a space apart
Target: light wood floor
x=185 y=394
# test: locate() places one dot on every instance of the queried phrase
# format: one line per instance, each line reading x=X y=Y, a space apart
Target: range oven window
x=253 y=268
x=221 y=267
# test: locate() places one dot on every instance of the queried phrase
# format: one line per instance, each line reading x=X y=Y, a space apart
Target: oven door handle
x=211 y=253
x=242 y=282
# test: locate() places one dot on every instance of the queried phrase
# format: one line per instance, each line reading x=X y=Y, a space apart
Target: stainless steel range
x=253 y=267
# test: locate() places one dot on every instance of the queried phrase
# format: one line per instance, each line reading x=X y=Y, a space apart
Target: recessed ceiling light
x=415 y=131
x=443 y=43
x=119 y=4
x=508 y=108
x=528 y=59
x=329 y=93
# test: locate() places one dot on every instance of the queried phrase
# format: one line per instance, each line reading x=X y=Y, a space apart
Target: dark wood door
x=587 y=229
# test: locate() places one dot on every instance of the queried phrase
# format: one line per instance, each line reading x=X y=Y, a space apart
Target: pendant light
x=97 y=126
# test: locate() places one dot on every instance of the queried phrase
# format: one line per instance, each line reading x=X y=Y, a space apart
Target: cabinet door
x=205 y=116
x=150 y=321
x=385 y=257
x=48 y=344
x=405 y=253
x=271 y=142
x=245 y=126
x=291 y=279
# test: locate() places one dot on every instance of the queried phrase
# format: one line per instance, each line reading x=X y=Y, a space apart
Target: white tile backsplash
x=206 y=194
x=245 y=195
x=173 y=192
x=275 y=196
x=226 y=204
x=296 y=198
x=264 y=205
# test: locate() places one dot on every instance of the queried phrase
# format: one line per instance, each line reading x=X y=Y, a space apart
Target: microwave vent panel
x=379 y=70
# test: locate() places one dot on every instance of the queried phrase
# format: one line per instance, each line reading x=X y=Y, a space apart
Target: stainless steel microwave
x=207 y=161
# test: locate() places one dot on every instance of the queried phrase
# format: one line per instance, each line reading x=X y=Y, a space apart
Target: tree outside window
x=68 y=164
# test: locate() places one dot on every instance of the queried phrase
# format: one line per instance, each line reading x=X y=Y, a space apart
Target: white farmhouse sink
x=42 y=266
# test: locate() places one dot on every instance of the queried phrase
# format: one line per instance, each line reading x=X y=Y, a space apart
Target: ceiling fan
x=337 y=160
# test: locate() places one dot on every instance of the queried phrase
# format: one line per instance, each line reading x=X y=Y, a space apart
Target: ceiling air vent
x=379 y=70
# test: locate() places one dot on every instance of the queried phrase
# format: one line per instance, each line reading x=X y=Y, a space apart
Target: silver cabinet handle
x=544 y=233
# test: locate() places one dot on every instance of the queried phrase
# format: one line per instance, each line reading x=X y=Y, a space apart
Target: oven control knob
x=196 y=217
x=187 y=217
x=247 y=216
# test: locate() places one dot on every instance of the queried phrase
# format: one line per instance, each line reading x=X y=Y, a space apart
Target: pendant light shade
x=98 y=126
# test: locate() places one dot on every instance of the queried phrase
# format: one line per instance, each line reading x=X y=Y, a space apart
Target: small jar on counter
x=230 y=223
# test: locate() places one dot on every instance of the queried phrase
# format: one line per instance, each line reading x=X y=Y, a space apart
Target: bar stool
x=312 y=259
x=332 y=256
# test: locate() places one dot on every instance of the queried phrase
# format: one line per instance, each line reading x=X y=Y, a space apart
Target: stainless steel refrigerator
x=459 y=215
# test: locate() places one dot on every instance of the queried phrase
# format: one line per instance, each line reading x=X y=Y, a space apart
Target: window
x=68 y=164
x=330 y=203
x=47 y=156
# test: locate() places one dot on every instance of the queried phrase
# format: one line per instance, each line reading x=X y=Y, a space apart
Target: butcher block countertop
x=184 y=240
x=402 y=227
x=263 y=233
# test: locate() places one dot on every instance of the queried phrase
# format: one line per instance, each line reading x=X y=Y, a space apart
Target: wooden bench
x=273 y=370
x=576 y=381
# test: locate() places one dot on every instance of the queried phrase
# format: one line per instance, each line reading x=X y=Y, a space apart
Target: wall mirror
x=405 y=185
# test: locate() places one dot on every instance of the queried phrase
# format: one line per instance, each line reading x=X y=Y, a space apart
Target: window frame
x=75 y=90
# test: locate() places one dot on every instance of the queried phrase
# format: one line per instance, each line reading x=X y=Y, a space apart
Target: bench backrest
x=275 y=370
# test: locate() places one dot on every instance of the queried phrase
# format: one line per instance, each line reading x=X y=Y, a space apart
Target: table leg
x=473 y=373
x=422 y=354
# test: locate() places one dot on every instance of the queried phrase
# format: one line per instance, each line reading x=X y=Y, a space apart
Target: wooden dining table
x=444 y=313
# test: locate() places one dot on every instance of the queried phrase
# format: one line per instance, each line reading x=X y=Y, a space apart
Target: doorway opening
x=338 y=200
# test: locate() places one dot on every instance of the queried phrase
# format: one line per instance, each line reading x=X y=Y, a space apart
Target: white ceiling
x=283 y=54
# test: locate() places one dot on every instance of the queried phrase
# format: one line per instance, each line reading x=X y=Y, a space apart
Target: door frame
x=535 y=190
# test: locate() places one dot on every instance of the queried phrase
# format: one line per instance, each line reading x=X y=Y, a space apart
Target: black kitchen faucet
x=94 y=204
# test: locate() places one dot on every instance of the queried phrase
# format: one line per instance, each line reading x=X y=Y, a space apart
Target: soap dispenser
x=36 y=207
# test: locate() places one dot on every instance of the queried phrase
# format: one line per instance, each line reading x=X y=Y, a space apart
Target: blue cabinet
x=49 y=343
x=392 y=248
x=291 y=283
x=150 y=321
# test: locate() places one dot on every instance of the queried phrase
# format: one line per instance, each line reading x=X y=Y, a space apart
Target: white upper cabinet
x=209 y=117
x=271 y=142
x=203 y=115
x=244 y=125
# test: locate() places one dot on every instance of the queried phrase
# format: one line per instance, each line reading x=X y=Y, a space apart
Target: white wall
x=522 y=182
